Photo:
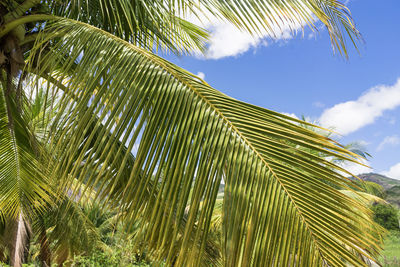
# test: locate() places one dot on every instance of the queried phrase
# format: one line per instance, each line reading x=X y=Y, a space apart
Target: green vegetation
x=393 y=195
x=375 y=189
x=107 y=149
x=391 y=254
x=386 y=215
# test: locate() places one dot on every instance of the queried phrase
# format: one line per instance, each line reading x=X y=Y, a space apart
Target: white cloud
x=227 y=40
x=393 y=172
x=393 y=140
x=348 y=117
x=201 y=75
x=355 y=168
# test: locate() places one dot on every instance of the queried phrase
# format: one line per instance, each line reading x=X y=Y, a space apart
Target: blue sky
x=298 y=75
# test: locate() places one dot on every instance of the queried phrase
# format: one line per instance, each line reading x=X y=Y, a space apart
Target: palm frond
x=367 y=198
x=278 y=207
x=148 y=24
x=159 y=22
x=257 y=16
x=23 y=181
x=41 y=112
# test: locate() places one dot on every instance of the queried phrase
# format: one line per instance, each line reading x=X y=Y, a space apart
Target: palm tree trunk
x=44 y=253
x=17 y=240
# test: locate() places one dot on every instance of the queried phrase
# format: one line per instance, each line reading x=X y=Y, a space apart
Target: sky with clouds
x=359 y=98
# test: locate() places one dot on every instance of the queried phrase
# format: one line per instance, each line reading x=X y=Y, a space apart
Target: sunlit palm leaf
x=23 y=182
x=157 y=23
x=368 y=199
x=149 y=24
x=260 y=16
x=277 y=205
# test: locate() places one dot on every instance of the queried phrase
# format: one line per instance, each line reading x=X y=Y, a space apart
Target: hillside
x=391 y=186
x=382 y=180
x=393 y=195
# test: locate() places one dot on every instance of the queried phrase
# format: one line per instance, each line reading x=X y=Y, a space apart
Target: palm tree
x=97 y=58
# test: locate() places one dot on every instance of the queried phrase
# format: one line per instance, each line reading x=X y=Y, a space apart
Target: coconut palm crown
x=156 y=142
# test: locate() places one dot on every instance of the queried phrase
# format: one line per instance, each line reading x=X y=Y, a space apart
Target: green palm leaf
x=159 y=23
x=149 y=24
x=278 y=206
x=23 y=182
x=259 y=16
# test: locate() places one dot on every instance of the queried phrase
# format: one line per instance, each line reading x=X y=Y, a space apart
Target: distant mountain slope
x=382 y=180
x=391 y=186
x=393 y=195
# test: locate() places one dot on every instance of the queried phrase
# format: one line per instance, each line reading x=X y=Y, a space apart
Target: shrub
x=386 y=215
